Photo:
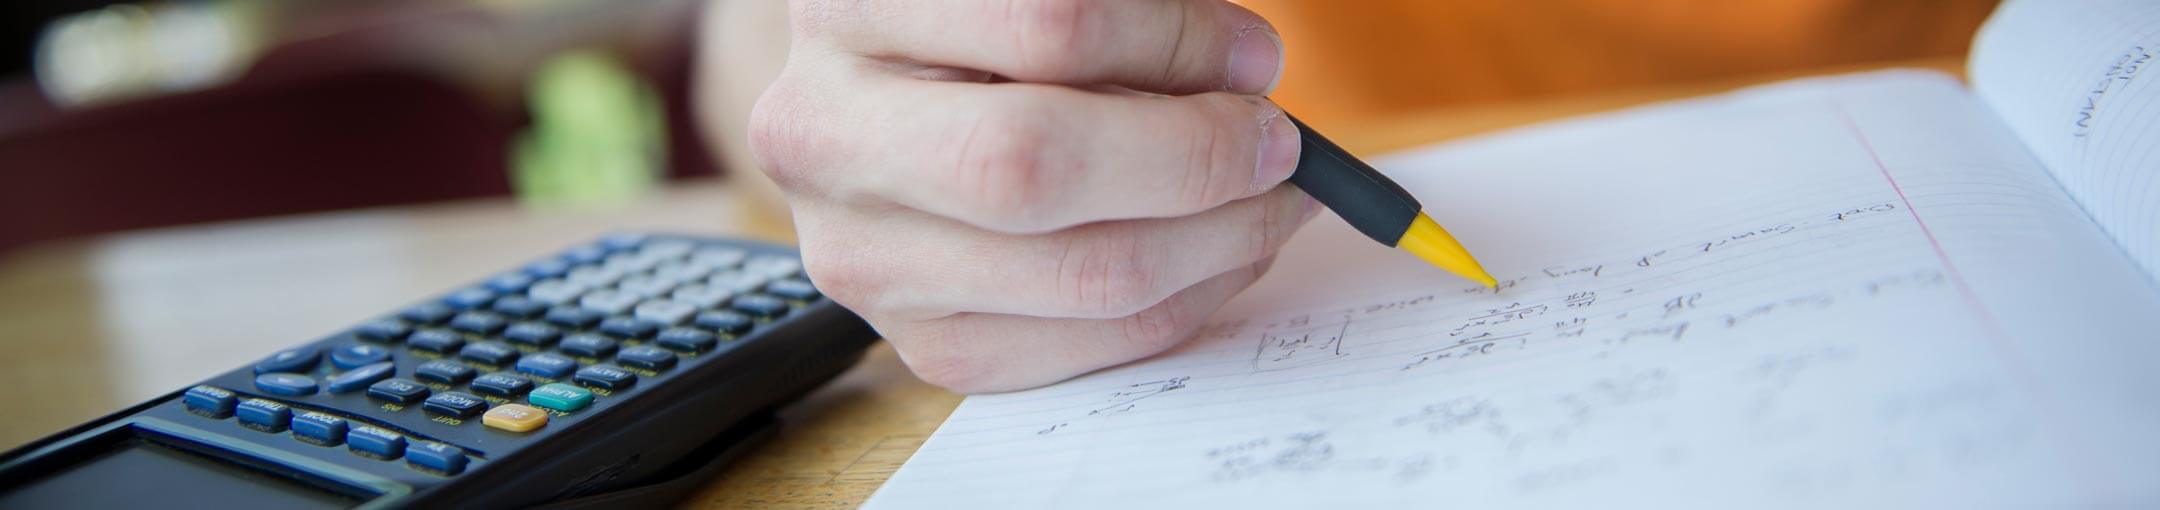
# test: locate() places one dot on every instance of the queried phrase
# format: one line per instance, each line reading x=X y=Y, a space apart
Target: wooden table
x=93 y=325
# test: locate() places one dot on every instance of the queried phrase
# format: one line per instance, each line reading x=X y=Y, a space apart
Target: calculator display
x=135 y=473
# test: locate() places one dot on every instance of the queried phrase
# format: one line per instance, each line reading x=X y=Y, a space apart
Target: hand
x=1015 y=192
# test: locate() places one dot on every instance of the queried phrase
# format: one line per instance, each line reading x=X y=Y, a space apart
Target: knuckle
x=1002 y=168
x=1051 y=35
x=844 y=273
x=782 y=139
x=1155 y=328
x=1212 y=171
x=1109 y=277
x=956 y=371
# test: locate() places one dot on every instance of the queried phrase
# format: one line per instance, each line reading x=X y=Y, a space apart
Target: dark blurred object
x=356 y=104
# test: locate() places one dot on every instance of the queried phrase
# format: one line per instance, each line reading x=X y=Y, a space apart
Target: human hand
x=1015 y=192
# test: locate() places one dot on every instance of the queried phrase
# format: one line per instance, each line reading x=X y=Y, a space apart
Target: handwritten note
x=1850 y=291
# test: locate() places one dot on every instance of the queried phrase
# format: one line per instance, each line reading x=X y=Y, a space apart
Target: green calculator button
x=560 y=397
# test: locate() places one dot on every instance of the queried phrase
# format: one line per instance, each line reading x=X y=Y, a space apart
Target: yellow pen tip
x=1430 y=242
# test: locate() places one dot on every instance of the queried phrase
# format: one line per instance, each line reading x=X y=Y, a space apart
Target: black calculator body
x=595 y=377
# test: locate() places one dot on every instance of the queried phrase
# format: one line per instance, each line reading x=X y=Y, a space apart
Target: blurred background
x=125 y=115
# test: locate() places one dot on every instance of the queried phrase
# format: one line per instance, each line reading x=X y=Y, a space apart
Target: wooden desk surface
x=98 y=324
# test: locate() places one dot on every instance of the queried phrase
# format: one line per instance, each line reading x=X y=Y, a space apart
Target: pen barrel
x=1358 y=193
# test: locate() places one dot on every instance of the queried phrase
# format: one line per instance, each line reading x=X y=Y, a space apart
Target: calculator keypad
x=518 y=350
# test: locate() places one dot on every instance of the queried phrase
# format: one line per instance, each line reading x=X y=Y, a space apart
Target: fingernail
x=1256 y=61
x=1278 y=150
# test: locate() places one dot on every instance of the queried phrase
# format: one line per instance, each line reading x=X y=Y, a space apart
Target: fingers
x=920 y=268
x=984 y=353
x=1036 y=158
x=1163 y=46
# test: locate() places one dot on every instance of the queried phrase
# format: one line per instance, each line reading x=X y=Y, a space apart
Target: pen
x=1376 y=206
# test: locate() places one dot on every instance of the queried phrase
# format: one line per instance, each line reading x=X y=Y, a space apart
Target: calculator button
x=561 y=397
x=677 y=272
x=731 y=323
x=667 y=249
x=356 y=355
x=549 y=365
x=585 y=254
x=626 y=327
x=627 y=263
x=469 y=298
x=573 y=317
x=646 y=357
x=297 y=359
x=436 y=457
x=518 y=307
x=290 y=385
x=383 y=330
x=547 y=268
x=792 y=289
x=380 y=443
x=645 y=286
x=532 y=333
x=587 y=345
x=263 y=415
x=688 y=340
x=702 y=295
x=759 y=306
x=355 y=379
x=605 y=377
x=444 y=371
x=454 y=404
x=772 y=266
x=436 y=340
x=479 y=323
x=210 y=401
x=623 y=241
x=609 y=302
x=489 y=353
x=556 y=292
x=502 y=384
x=593 y=277
x=320 y=429
x=429 y=313
x=398 y=391
x=718 y=258
x=736 y=281
x=509 y=283
x=666 y=312
x=515 y=418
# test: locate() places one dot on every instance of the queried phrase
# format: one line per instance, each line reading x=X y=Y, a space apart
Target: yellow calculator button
x=515 y=418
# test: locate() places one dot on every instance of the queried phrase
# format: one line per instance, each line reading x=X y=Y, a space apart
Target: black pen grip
x=1358 y=193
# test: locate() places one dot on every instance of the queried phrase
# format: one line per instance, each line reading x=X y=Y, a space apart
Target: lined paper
x=1856 y=290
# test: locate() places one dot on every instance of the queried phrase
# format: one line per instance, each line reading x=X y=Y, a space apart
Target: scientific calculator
x=616 y=373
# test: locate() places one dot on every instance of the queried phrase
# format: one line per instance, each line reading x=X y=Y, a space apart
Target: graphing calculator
x=616 y=373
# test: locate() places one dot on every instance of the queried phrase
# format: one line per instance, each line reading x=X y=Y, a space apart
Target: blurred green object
x=597 y=136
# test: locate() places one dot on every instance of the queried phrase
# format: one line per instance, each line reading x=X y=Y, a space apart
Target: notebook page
x=1854 y=290
x=2074 y=79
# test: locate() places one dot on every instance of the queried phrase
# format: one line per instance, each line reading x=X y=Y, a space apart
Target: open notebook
x=1881 y=289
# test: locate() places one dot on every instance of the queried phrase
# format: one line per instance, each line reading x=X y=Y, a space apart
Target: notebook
x=1885 y=290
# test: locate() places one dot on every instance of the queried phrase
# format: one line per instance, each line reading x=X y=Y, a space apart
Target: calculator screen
x=134 y=473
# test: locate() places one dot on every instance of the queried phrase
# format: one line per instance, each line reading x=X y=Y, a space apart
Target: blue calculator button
x=509 y=283
x=587 y=345
x=548 y=268
x=454 y=405
x=794 y=289
x=605 y=377
x=626 y=327
x=469 y=298
x=436 y=340
x=297 y=359
x=436 y=457
x=759 y=306
x=532 y=333
x=383 y=330
x=489 y=353
x=444 y=371
x=319 y=428
x=479 y=323
x=549 y=365
x=398 y=391
x=375 y=442
x=646 y=357
x=355 y=379
x=290 y=385
x=209 y=401
x=688 y=340
x=572 y=317
x=430 y=313
x=586 y=254
x=263 y=415
x=623 y=241
x=730 y=323
x=518 y=307
x=502 y=384
x=358 y=355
